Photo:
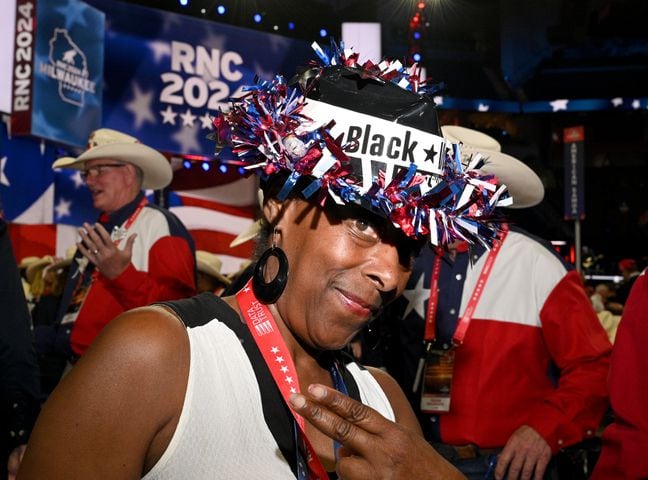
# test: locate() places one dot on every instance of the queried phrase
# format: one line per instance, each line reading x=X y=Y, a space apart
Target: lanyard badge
x=436 y=367
x=437 y=380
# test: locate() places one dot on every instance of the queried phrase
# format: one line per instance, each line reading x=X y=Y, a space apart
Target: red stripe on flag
x=246 y=212
x=32 y=240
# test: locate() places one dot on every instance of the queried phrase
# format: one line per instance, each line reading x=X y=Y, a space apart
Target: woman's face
x=344 y=266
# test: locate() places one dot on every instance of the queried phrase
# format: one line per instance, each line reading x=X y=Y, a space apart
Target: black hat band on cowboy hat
x=360 y=134
x=113 y=145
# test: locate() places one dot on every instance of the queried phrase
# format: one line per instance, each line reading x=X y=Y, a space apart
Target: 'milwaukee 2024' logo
x=69 y=67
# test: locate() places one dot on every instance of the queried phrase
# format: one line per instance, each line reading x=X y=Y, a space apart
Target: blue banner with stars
x=168 y=74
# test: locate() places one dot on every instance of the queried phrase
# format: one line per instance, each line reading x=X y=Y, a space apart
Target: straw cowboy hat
x=524 y=186
x=37 y=266
x=252 y=229
x=114 y=145
x=210 y=264
x=27 y=261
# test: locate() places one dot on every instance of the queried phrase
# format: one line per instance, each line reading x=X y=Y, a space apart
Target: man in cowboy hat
x=136 y=253
x=512 y=375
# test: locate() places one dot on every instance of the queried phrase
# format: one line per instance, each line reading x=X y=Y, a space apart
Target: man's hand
x=373 y=447
x=97 y=246
x=525 y=456
x=14 y=461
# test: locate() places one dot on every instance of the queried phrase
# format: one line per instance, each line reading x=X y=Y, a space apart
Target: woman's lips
x=357 y=305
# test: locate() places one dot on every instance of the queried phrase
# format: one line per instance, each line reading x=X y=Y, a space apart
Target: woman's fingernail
x=317 y=391
x=297 y=400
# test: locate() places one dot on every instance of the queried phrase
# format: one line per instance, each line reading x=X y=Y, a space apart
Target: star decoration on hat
x=431 y=153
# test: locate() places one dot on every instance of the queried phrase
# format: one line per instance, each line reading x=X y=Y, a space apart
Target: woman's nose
x=386 y=270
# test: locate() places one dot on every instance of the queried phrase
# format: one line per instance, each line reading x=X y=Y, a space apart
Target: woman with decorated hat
x=355 y=179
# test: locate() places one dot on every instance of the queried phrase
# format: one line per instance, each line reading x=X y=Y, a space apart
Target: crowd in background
x=62 y=304
x=43 y=280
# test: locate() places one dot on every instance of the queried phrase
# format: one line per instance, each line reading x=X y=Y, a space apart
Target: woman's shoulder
x=147 y=341
x=403 y=412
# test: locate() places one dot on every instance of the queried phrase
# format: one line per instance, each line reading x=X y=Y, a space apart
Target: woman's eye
x=365 y=227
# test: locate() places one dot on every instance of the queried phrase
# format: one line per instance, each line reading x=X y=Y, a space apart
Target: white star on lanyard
x=279 y=359
x=289 y=379
x=284 y=369
x=274 y=350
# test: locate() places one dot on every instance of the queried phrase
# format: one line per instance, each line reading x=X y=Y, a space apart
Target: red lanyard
x=277 y=357
x=433 y=303
x=130 y=220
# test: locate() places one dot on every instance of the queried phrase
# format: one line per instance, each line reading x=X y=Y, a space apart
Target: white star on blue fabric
x=416 y=298
x=558 y=105
x=3 y=178
x=160 y=49
x=63 y=208
x=77 y=179
x=188 y=118
x=168 y=115
x=206 y=122
x=140 y=106
x=187 y=139
x=72 y=13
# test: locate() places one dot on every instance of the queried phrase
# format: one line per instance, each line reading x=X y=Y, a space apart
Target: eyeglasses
x=98 y=170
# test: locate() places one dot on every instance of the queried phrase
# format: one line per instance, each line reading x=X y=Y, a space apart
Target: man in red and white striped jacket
x=136 y=253
x=530 y=358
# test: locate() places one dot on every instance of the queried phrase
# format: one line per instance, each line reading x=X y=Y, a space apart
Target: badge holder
x=437 y=380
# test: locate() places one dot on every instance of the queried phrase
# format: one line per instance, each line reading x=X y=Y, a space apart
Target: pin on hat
x=109 y=144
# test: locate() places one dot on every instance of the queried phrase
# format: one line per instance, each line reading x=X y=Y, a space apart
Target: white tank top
x=222 y=433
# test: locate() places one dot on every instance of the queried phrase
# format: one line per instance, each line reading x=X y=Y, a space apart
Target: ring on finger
x=95 y=251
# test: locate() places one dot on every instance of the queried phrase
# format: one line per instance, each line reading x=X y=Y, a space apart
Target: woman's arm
x=113 y=415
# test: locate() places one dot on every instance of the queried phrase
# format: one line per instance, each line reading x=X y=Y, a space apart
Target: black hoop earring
x=269 y=292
